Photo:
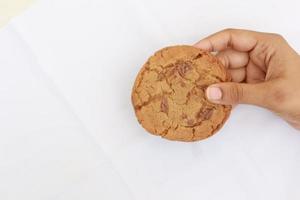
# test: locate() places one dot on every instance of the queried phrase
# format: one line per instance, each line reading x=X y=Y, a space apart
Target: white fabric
x=67 y=127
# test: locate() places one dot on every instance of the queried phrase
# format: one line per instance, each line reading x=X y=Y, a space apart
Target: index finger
x=237 y=39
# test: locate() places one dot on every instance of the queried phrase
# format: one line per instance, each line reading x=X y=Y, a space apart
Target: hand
x=265 y=72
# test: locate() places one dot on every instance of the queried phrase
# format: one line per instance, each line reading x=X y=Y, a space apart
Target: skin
x=265 y=72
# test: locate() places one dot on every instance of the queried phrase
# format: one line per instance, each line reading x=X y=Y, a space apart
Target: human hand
x=265 y=72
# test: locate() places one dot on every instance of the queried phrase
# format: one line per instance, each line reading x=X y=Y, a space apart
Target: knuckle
x=236 y=93
x=276 y=36
x=228 y=30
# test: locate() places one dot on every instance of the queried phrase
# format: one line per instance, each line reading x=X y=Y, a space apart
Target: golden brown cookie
x=169 y=94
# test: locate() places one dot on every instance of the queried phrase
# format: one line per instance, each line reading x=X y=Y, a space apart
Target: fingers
x=236 y=93
x=241 y=40
x=233 y=59
x=238 y=75
x=254 y=73
x=235 y=62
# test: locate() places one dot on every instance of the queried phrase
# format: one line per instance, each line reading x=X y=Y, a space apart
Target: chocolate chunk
x=205 y=114
x=202 y=87
x=164 y=106
x=182 y=67
x=199 y=55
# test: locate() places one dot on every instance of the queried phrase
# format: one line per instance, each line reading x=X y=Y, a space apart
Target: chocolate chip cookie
x=169 y=94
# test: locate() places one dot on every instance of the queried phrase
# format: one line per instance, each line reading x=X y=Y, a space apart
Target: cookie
x=168 y=95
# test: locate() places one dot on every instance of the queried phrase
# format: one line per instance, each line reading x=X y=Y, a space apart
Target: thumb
x=235 y=93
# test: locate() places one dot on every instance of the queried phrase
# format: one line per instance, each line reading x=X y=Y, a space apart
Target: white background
x=67 y=127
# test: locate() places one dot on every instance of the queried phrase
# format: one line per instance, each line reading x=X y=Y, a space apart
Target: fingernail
x=214 y=93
